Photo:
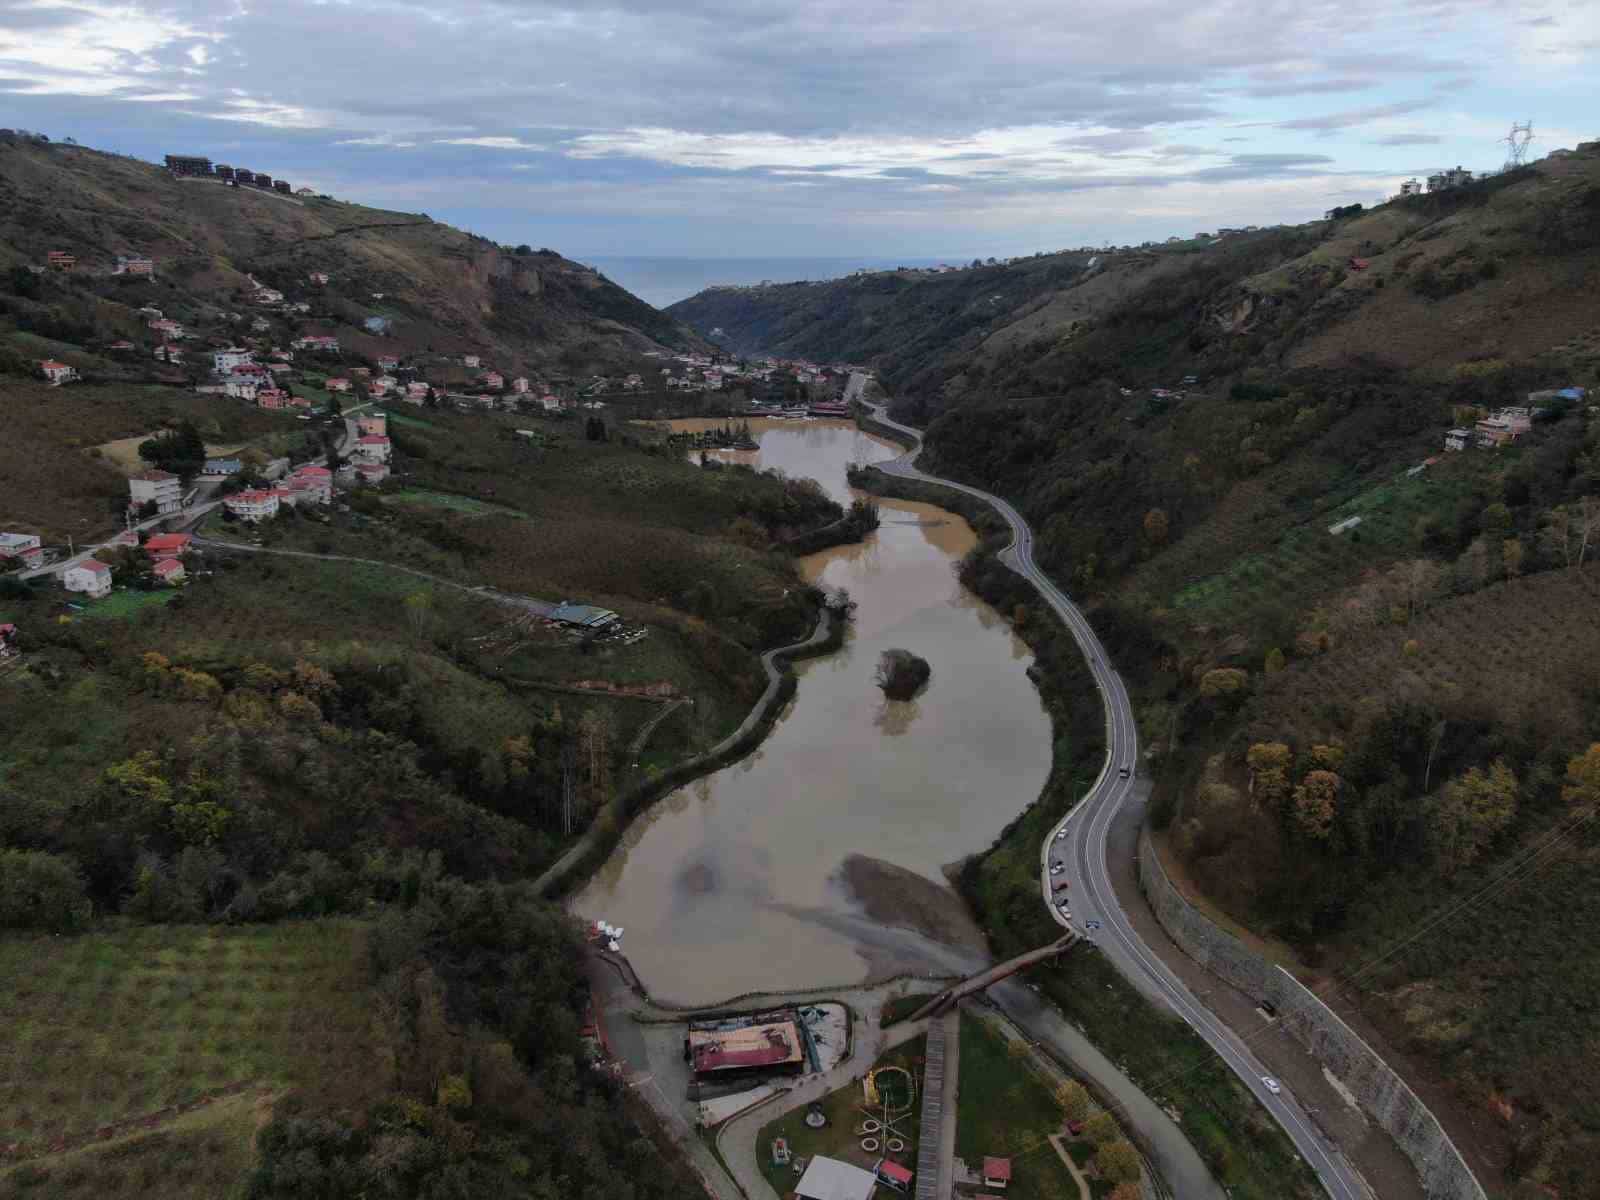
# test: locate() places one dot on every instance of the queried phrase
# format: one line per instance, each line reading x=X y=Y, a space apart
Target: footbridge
x=973 y=984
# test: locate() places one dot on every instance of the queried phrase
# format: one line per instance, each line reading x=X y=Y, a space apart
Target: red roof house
x=164 y=545
x=996 y=1172
x=168 y=570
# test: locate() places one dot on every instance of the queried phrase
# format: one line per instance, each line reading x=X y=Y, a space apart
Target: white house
x=23 y=548
x=520 y=385
x=57 y=372
x=91 y=577
x=223 y=361
x=253 y=504
x=163 y=487
x=470 y=360
x=373 y=447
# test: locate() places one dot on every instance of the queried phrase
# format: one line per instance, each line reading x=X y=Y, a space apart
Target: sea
x=664 y=281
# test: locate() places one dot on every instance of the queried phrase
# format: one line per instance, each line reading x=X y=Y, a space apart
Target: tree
x=1471 y=811
x=1582 y=790
x=1156 y=526
x=1074 y=1100
x=1274 y=662
x=1316 y=801
x=1130 y=1191
x=1269 y=772
x=1101 y=1128
x=1118 y=1161
x=41 y=891
x=1225 y=686
x=335 y=407
x=1511 y=553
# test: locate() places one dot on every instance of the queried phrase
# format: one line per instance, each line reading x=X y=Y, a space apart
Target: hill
x=440 y=289
x=1362 y=664
x=266 y=836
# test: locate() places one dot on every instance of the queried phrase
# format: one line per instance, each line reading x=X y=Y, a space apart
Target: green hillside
x=1363 y=666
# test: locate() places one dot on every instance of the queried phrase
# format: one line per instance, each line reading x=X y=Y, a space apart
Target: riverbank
x=1244 y=1149
x=574 y=867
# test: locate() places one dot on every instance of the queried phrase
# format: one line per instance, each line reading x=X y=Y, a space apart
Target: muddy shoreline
x=902 y=899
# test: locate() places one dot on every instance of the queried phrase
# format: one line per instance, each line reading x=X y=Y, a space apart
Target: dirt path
x=1078 y=1176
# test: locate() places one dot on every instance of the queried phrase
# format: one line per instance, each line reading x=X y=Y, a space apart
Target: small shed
x=997 y=1173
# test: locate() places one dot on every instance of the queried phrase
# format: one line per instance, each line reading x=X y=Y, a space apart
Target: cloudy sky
x=814 y=127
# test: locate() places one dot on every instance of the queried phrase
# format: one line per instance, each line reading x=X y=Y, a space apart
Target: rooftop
x=775 y=1044
x=997 y=1168
x=830 y=1179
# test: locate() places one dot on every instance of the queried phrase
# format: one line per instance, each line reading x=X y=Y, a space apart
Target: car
x=1091 y=924
x=1056 y=868
x=1061 y=833
x=1064 y=905
x=1124 y=772
x=1271 y=1084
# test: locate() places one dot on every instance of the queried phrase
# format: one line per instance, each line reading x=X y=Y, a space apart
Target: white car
x=1271 y=1084
x=1061 y=833
x=1057 y=869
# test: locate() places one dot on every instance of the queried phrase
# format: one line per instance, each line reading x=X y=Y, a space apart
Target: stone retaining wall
x=1382 y=1094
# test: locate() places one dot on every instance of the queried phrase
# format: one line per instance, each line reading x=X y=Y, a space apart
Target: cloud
x=862 y=112
x=490 y=143
x=1409 y=139
x=1355 y=116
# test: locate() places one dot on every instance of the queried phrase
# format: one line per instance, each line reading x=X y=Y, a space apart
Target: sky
x=815 y=127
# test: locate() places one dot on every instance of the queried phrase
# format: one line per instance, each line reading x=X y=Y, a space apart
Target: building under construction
x=189 y=164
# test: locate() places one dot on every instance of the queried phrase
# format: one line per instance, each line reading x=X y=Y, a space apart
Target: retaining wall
x=1384 y=1096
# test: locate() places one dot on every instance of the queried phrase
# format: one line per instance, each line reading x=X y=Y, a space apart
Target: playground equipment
x=870 y=1145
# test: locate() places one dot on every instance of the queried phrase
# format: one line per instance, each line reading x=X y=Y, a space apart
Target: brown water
x=731 y=884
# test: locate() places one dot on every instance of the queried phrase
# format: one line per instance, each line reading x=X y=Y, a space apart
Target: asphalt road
x=1083 y=848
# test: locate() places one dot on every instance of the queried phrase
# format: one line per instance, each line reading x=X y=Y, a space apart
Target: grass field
x=109 y=1033
x=1003 y=1108
x=845 y=1111
x=445 y=500
x=128 y=602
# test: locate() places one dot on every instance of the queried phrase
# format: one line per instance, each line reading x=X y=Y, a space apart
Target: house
x=162 y=488
x=1445 y=180
x=57 y=372
x=266 y=295
x=373 y=447
x=377 y=387
x=830 y=1179
x=273 y=398
x=22 y=549
x=134 y=266
x=337 y=385
x=167 y=327
x=387 y=363
x=320 y=278
x=1411 y=187
x=520 y=385
x=234 y=356
x=373 y=424
x=997 y=1173
x=491 y=380
x=121 y=347
x=372 y=472
x=416 y=392
x=470 y=360
x=892 y=1174
x=91 y=577
x=319 y=342
x=167 y=545
x=1359 y=264
x=242 y=387
x=311 y=484
x=1458 y=439
x=253 y=504
x=1503 y=428
x=60 y=260
x=168 y=571
x=304 y=192
x=167 y=352
x=550 y=403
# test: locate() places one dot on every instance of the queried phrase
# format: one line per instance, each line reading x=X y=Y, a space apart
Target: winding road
x=1079 y=841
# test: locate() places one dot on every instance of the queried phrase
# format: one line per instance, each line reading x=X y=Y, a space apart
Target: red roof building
x=164 y=545
x=997 y=1172
x=894 y=1174
x=169 y=570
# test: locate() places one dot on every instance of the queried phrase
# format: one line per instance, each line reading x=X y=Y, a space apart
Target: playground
x=872 y=1117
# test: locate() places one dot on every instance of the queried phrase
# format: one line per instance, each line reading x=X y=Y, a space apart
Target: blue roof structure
x=588 y=616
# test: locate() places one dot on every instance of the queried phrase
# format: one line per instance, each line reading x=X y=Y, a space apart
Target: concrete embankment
x=1382 y=1094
